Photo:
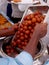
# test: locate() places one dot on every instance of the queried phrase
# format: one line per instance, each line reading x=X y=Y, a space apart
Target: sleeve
x=24 y=58
x=8 y=61
x=4 y=61
x=47 y=62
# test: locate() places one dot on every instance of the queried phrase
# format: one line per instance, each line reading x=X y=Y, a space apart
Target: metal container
x=8 y=20
x=39 y=54
x=5 y=41
x=31 y=9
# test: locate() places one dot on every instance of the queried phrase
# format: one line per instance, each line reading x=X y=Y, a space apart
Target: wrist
x=37 y=35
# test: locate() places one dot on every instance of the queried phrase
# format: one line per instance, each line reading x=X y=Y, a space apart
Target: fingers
x=45 y=23
x=41 y=25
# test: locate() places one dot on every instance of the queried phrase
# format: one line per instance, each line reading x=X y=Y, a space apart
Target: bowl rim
x=36 y=56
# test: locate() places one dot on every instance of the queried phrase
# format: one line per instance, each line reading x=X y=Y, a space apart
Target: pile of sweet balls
x=25 y=31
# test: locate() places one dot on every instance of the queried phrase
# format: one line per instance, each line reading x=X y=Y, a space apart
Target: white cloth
x=47 y=62
x=48 y=2
x=25 y=3
x=23 y=58
x=3 y=5
x=16 y=12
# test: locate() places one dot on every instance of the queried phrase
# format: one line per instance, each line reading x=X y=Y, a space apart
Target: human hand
x=41 y=29
x=16 y=26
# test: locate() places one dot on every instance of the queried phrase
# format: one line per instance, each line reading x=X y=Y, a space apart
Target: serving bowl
x=40 y=48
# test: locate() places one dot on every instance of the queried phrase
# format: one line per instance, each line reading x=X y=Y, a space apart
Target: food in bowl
x=4 y=23
x=8 y=50
x=2 y=20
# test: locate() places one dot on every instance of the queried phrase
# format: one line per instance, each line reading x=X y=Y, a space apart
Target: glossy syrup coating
x=23 y=35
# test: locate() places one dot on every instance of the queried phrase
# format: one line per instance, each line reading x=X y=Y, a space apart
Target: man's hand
x=41 y=29
x=39 y=32
x=16 y=26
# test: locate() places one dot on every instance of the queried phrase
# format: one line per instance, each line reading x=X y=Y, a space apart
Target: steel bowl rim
x=40 y=52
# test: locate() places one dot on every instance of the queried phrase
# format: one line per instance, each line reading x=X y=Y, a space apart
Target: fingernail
x=45 y=23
